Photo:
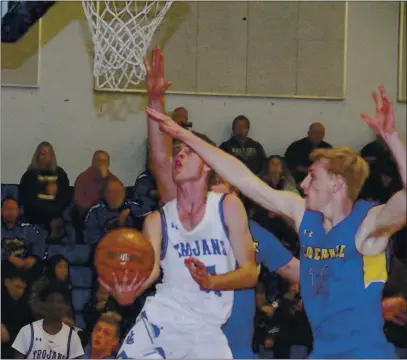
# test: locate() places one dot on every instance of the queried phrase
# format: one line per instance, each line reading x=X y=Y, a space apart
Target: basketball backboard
x=17 y=17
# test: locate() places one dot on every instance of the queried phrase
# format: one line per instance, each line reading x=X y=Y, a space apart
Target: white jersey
x=33 y=342
x=209 y=243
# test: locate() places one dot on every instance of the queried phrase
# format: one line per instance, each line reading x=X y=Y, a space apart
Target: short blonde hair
x=346 y=163
x=111 y=317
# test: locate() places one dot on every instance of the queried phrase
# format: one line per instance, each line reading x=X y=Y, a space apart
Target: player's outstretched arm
x=273 y=254
x=236 y=173
x=383 y=221
x=291 y=270
x=159 y=143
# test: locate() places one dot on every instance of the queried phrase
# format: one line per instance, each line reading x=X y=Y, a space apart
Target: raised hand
x=199 y=273
x=125 y=292
x=156 y=85
x=383 y=123
x=167 y=125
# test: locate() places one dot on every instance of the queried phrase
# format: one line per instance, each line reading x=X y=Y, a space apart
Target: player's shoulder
x=35 y=325
x=230 y=202
x=153 y=218
x=67 y=329
x=26 y=329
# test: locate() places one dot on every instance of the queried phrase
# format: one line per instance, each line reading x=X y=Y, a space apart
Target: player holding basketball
x=343 y=264
x=239 y=329
x=196 y=233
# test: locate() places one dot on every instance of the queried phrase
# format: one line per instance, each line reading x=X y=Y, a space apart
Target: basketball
x=124 y=249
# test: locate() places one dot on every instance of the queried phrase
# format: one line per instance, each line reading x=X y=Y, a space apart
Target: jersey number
x=212 y=271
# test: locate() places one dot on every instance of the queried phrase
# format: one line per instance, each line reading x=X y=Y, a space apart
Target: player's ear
x=339 y=183
x=207 y=168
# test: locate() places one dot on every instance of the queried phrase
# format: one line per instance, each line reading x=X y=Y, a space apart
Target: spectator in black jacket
x=297 y=154
x=112 y=213
x=384 y=179
x=44 y=188
x=240 y=145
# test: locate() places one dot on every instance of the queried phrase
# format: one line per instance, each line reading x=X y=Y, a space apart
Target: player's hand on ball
x=383 y=123
x=199 y=273
x=167 y=125
x=125 y=292
x=394 y=310
x=156 y=85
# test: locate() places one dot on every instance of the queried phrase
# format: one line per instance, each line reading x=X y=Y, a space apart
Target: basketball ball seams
x=124 y=249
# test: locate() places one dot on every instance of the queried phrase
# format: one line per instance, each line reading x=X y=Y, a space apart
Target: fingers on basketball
x=116 y=280
x=134 y=281
x=137 y=282
x=104 y=285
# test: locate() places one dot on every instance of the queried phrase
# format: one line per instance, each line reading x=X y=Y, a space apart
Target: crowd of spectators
x=50 y=231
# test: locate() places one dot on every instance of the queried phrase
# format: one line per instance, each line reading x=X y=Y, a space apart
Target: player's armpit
x=380 y=224
x=291 y=270
x=242 y=243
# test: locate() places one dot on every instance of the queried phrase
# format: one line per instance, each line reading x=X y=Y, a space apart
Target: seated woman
x=278 y=177
x=56 y=272
x=44 y=189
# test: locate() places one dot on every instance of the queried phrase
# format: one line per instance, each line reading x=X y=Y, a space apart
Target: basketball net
x=122 y=32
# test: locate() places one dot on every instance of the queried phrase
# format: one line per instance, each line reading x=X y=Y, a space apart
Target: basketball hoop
x=122 y=32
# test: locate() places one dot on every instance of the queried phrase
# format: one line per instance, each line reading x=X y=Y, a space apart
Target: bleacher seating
x=79 y=256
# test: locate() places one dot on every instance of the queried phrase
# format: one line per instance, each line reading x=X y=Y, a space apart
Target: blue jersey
x=342 y=289
x=239 y=329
